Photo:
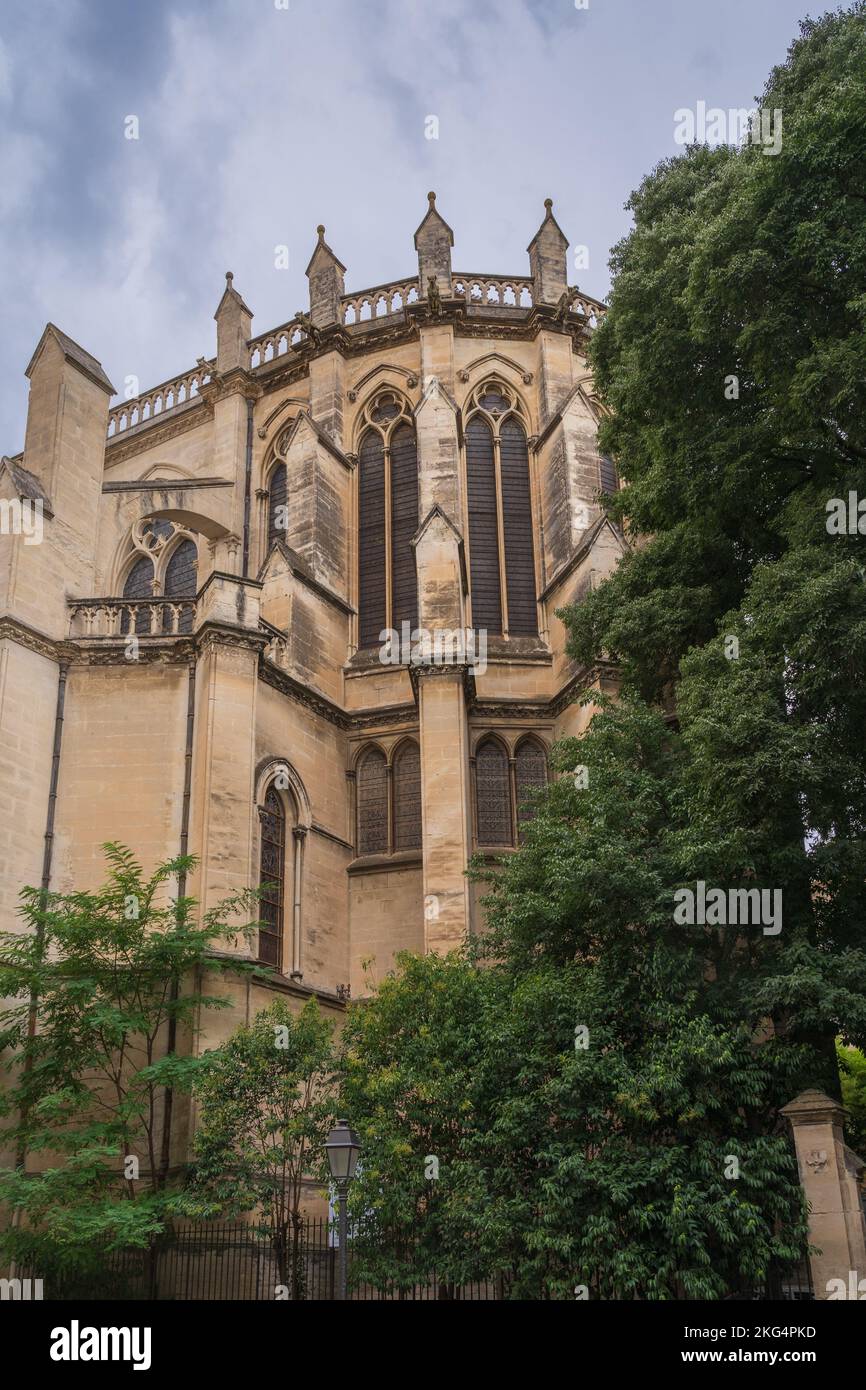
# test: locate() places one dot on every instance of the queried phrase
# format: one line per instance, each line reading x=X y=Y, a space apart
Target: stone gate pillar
x=828 y=1172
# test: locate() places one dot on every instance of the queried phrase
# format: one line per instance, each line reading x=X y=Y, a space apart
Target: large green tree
x=97 y=1036
x=267 y=1104
x=731 y=365
x=411 y=1055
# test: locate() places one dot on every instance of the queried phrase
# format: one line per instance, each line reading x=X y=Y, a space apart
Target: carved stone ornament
x=817 y=1160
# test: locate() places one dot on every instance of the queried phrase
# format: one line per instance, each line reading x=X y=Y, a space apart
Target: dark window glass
x=373 y=803
x=371 y=541
x=492 y=795
x=607 y=475
x=407 y=797
x=181 y=582
x=493 y=401
x=517 y=520
x=483 y=527
x=277 y=494
x=530 y=774
x=139 y=585
x=404 y=524
x=272 y=873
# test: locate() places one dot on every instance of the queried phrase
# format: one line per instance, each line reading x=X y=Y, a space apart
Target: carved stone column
x=828 y=1172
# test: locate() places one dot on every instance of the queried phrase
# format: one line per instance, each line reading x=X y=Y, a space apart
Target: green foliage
x=747 y=266
x=99 y=1032
x=852 y=1068
x=410 y=1058
x=607 y=1154
x=267 y=1105
x=653 y=1162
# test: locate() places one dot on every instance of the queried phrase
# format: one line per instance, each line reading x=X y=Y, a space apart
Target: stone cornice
x=150 y=651
x=216 y=634
x=13 y=630
x=386 y=863
x=279 y=679
x=165 y=484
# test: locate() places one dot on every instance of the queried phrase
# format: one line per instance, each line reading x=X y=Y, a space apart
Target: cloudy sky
x=257 y=119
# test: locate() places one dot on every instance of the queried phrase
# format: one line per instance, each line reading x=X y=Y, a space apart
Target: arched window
x=138 y=585
x=277 y=495
x=407 y=797
x=181 y=581
x=483 y=527
x=530 y=775
x=517 y=525
x=404 y=524
x=492 y=794
x=388 y=519
x=500 y=515
x=272 y=878
x=373 y=803
x=371 y=540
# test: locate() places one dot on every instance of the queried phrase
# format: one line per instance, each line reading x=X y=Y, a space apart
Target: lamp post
x=342 y=1148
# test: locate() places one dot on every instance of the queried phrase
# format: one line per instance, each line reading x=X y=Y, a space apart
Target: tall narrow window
x=373 y=803
x=138 y=585
x=371 y=540
x=607 y=474
x=483 y=527
x=500 y=515
x=181 y=581
x=272 y=879
x=407 y=797
x=517 y=521
x=492 y=794
x=277 y=495
x=388 y=520
x=530 y=775
x=404 y=524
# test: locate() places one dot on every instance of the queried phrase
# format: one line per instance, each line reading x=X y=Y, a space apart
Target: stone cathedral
x=192 y=654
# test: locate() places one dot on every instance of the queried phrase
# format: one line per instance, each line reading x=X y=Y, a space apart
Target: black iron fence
x=198 y=1261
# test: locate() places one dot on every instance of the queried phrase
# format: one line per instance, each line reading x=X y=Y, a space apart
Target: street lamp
x=342 y=1148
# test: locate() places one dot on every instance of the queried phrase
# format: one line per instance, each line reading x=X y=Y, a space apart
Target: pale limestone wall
x=445 y=797
x=121 y=772
x=387 y=916
x=304 y=698
x=316 y=751
x=28 y=696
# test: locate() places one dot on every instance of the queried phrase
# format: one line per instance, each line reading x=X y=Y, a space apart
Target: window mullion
x=500 y=535
x=389 y=606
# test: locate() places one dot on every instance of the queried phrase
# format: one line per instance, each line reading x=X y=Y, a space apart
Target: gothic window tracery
x=387 y=519
x=272 y=874
x=277 y=501
x=492 y=794
x=181 y=580
x=165 y=558
x=530 y=777
x=505 y=789
x=389 y=800
x=501 y=546
x=373 y=803
x=407 y=797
